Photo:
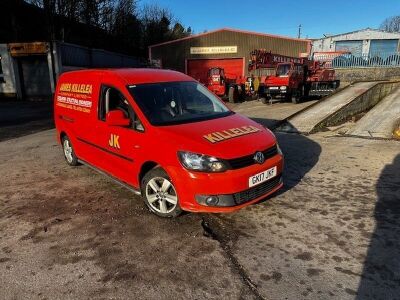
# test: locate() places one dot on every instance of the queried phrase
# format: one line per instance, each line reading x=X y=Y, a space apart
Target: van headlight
x=200 y=162
x=283 y=88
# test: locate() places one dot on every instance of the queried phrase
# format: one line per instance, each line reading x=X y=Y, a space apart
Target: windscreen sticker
x=75 y=96
x=220 y=136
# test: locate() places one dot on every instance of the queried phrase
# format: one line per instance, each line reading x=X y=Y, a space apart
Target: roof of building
x=230 y=30
x=356 y=31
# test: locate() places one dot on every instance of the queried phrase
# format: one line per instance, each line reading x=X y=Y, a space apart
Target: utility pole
x=299 y=34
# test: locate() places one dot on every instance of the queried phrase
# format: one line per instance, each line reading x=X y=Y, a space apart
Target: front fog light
x=216 y=166
x=212 y=200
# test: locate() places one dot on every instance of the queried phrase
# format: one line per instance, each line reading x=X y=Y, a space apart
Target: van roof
x=135 y=75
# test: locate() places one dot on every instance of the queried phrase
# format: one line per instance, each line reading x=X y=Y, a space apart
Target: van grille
x=248 y=160
x=257 y=191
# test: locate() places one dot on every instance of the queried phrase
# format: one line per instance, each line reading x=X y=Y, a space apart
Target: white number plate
x=262 y=177
x=274 y=88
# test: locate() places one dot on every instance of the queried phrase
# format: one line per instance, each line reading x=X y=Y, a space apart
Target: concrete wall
x=396 y=131
x=328 y=43
x=362 y=103
x=365 y=74
x=7 y=88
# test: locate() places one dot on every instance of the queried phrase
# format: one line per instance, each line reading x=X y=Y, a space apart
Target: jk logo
x=114 y=141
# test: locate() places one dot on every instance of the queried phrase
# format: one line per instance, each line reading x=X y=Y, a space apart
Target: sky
x=281 y=17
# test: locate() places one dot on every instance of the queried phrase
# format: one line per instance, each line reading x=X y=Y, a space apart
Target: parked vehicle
x=294 y=78
x=294 y=81
x=165 y=136
x=231 y=87
x=217 y=82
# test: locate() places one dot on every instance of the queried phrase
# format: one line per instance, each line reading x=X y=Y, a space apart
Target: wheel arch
x=146 y=167
x=61 y=135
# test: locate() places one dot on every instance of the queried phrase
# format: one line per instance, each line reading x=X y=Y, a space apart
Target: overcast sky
x=282 y=16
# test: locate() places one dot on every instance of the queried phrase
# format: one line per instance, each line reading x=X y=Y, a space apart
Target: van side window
x=112 y=99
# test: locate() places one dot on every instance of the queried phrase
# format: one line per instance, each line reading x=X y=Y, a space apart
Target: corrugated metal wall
x=79 y=56
x=173 y=55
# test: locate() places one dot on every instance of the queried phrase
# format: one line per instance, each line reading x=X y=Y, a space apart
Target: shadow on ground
x=381 y=277
x=269 y=123
x=301 y=155
x=19 y=118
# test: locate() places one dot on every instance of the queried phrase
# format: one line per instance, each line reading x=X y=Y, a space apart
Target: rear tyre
x=296 y=96
x=160 y=194
x=69 y=152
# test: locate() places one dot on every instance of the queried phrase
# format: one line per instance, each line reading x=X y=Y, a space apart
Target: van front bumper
x=227 y=191
x=240 y=197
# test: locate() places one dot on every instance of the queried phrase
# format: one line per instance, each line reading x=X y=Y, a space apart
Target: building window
x=354 y=47
x=1 y=72
x=379 y=47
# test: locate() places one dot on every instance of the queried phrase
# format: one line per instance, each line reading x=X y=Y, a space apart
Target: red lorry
x=294 y=78
x=228 y=85
x=274 y=76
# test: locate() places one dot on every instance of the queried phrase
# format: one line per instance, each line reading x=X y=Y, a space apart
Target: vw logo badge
x=259 y=157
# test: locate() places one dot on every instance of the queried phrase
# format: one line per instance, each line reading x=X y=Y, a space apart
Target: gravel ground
x=331 y=233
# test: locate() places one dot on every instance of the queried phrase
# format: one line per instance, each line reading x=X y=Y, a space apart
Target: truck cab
x=216 y=81
x=288 y=81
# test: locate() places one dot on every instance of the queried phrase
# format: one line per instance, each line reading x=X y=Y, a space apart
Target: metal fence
x=79 y=56
x=347 y=60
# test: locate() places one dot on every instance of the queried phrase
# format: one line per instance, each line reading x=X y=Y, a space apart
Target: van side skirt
x=120 y=182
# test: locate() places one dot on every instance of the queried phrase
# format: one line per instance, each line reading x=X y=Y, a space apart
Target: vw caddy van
x=167 y=137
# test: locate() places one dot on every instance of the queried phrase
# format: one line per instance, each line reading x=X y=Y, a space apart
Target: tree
x=129 y=29
x=391 y=24
x=126 y=26
x=178 y=31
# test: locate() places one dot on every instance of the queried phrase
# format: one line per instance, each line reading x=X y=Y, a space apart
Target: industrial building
x=364 y=42
x=226 y=48
x=30 y=70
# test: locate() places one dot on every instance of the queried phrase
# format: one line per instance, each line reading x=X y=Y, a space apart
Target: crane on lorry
x=294 y=78
x=274 y=76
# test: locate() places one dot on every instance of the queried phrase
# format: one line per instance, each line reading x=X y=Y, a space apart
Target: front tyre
x=295 y=99
x=69 y=152
x=160 y=194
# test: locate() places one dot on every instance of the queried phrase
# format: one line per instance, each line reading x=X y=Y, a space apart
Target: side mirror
x=117 y=118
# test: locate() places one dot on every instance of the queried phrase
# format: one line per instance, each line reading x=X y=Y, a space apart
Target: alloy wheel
x=68 y=151
x=161 y=195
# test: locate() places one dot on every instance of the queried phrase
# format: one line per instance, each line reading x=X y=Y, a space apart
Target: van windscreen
x=169 y=103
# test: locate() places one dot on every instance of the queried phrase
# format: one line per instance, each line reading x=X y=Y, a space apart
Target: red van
x=168 y=138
